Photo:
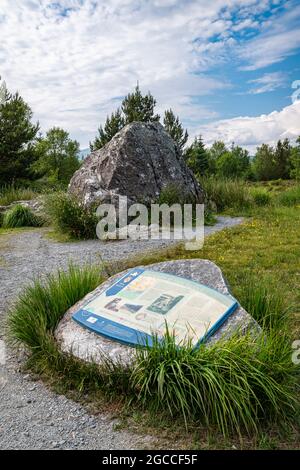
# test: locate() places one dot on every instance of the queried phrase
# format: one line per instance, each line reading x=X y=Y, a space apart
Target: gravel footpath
x=31 y=415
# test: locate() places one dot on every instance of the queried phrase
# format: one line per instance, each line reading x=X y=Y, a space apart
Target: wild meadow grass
x=227 y=193
x=290 y=197
x=245 y=198
x=11 y=193
x=20 y=216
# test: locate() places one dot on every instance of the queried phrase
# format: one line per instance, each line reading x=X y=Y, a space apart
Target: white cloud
x=250 y=132
x=268 y=82
x=72 y=60
x=279 y=38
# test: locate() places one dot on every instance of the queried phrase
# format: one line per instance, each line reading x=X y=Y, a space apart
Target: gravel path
x=31 y=415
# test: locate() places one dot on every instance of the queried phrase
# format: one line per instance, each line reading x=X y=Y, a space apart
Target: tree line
x=26 y=155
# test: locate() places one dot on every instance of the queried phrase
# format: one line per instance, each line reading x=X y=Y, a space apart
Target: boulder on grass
x=138 y=162
x=89 y=346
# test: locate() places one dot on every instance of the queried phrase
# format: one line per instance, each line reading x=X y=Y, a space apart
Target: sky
x=229 y=68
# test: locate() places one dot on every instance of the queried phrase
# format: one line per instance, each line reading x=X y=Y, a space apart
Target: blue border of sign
x=130 y=336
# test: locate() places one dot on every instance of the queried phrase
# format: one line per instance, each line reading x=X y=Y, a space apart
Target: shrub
x=290 y=197
x=68 y=216
x=11 y=193
x=20 y=216
x=261 y=197
x=227 y=193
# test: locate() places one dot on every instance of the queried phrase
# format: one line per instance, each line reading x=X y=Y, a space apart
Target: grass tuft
x=20 y=216
x=42 y=304
x=235 y=386
x=261 y=197
x=227 y=193
x=291 y=197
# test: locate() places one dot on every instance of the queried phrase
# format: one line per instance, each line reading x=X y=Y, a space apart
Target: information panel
x=143 y=302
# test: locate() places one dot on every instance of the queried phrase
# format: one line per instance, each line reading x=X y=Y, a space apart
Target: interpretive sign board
x=143 y=302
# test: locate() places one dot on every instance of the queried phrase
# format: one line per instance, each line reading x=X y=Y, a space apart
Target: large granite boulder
x=89 y=346
x=138 y=162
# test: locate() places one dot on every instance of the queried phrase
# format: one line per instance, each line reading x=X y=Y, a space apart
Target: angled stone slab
x=89 y=346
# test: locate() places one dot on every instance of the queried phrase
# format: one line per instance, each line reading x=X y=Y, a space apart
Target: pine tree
x=4 y=94
x=197 y=157
x=17 y=137
x=137 y=107
x=175 y=129
x=113 y=124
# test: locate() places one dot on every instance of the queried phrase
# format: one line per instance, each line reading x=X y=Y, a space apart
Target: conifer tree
x=175 y=129
x=137 y=107
x=113 y=124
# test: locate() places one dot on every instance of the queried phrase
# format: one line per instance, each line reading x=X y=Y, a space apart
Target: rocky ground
x=31 y=415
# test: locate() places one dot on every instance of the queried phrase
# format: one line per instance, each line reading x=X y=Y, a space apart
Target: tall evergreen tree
x=137 y=107
x=113 y=124
x=17 y=136
x=197 y=157
x=174 y=127
x=4 y=94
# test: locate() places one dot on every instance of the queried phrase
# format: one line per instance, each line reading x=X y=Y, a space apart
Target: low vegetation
x=11 y=193
x=69 y=217
x=244 y=198
x=20 y=216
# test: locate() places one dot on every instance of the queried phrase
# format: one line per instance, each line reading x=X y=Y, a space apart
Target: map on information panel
x=143 y=302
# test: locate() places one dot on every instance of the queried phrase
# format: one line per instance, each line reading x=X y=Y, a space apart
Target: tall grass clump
x=174 y=194
x=267 y=305
x=291 y=197
x=70 y=217
x=261 y=197
x=227 y=193
x=11 y=193
x=234 y=386
x=42 y=304
x=20 y=216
